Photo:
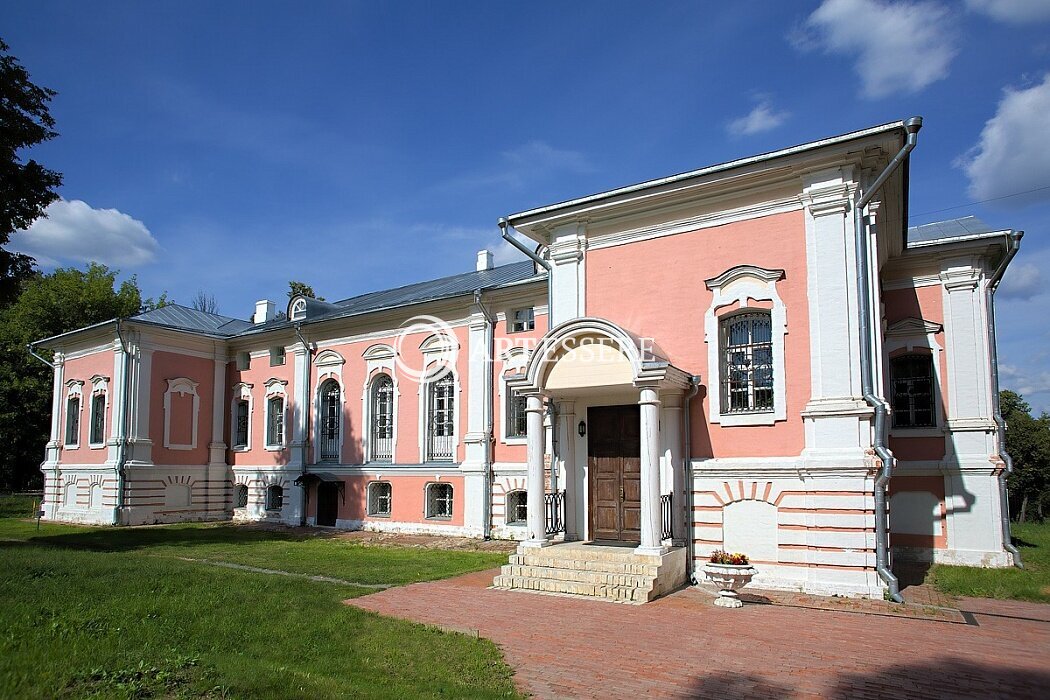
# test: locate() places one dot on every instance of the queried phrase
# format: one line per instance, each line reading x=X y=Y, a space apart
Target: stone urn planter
x=730 y=572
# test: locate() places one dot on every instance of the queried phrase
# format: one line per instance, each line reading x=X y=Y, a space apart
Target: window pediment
x=912 y=326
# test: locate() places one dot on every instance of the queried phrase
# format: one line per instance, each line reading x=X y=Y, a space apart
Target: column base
x=658 y=550
x=536 y=544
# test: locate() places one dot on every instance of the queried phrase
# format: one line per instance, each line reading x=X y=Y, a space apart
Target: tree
x=204 y=302
x=1028 y=442
x=26 y=188
x=296 y=288
x=51 y=304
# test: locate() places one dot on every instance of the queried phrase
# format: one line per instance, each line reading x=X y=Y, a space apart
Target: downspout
x=505 y=229
x=490 y=343
x=305 y=403
x=122 y=440
x=881 y=408
x=1013 y=244
x=687 y=470
x=50 y=364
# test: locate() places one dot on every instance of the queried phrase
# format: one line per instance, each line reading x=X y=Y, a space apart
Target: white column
x=57 y=404
x=536 y=520
x=567 y=450
x=476 y=441
x=673 y=476
x=649 y=401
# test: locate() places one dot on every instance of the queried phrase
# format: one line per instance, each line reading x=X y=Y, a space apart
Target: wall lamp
x=581 y=428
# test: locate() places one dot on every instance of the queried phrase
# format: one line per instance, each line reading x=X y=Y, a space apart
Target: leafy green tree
x=1028 y=442
x=303 y=288
x=48 y=305
x=26 y=188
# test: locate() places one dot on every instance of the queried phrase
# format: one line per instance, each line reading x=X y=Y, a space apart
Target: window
x=382 y=438
x=441 y=420
x=517 y=510
x=275 y=421
x=331 y=417
x=522 y=320
x=298 y=310
x=244 y=361
x=911 y=377
x=72 y=421
x=516 y=419
x=439 y=501
x=240 y=496
x=98 y=419
x=274 y=497
x=240 y=423
x=747 y=363
x=379 y=498
x=277 y=356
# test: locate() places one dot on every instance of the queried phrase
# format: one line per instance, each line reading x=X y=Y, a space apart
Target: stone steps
x=608 y=578
x=619 y=594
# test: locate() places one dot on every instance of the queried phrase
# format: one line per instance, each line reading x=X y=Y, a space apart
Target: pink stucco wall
x=257 y=374
x=656 y=289
x=84 y=368
x=502 y=452
x=172 y=365
x=408 y=499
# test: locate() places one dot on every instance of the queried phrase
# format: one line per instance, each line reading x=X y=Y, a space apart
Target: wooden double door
x=614 y=468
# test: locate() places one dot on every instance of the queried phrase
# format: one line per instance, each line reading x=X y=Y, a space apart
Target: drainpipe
x=490 y=343
x=50 y=364
x=122 y=440
x=505 y=229
x=1013 y=241
x=687 y=469
x=881 y=408
x=305 y=403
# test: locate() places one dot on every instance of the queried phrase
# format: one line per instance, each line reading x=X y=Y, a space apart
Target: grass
x=106 y=612
x=1031 y=583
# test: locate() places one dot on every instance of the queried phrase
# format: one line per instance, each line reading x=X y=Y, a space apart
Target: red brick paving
x=683 y=646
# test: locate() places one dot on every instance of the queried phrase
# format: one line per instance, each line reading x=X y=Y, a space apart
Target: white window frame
x=182 y=386
x=278 y=356
x=372 y=513
x=731 y=292
x=909 y=335
x=514 y=360
x=329 y=364
x=74 y=390
x=379 y=359
x=507 y=506
x=99 y=387
x=424 y=397
x=276 y=388
x=512 y=320
x=242 y=391
x=297 y=309
x=427 y=514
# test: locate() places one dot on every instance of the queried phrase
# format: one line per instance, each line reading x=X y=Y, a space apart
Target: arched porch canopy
x=594 y=352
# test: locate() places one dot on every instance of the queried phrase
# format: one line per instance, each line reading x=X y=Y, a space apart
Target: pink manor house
x=756 y=356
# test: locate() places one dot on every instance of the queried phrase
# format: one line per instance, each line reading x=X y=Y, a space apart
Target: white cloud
x=762 y=118
x=1024 y=380
x=543 y=156
x=1011 y=155
x=1021 y=281
x=1012 y=11
x=75 y=232
x=899 y=46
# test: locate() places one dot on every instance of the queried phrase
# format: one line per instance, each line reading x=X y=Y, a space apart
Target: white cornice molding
x=908 y=327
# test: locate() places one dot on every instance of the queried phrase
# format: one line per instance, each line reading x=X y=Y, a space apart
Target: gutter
x=687 y=466
x=1013 y=242
x=881 y=408
x=505 y=229
x=490 y=343
x=122 y=440
x=305 y=407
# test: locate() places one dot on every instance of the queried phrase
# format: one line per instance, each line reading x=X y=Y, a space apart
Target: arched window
x=517 y=510
x=747 y=362
x=331 y=419
x=441 y=423
x=911 y=377
x=240 y=496
x=381 y=440
x=274 y=497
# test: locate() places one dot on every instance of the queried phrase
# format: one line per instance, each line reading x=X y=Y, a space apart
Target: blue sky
x=230 y=147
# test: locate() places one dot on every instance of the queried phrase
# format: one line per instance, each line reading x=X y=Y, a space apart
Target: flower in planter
x=722 y=557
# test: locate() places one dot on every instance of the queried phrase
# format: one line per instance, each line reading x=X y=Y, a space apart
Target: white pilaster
x=672 y=477
x=535 y=517
x=140 y=446
x=649 y=401
x=567 y=457
x=54 y=444
x=568 y=280
x=300 y=393
x=218 y=476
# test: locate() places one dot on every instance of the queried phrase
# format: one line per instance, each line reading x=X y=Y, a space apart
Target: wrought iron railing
x=666 y=527
x=554 y=511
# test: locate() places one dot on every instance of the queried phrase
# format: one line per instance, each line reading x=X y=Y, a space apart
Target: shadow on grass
x=950 y=678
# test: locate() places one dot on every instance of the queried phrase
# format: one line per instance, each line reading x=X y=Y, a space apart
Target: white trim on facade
x=181 y=386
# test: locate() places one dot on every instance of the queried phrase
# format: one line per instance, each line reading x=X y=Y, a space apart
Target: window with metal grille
x=516 y=417
x=98 y=419
x=382 y=439
x=522 y=320
x=331 y=418
x=274 y=497
x=912 y=379
x=379 y=498
x=747 y=363
x=275 y=421
x=441 y=427
x=439 y=501
x=517 y=507
x=73 y=420
x=240 y=425
x=240 y=496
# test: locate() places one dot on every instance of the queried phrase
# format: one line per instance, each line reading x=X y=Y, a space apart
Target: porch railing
x=554 y=511
x=666 y=529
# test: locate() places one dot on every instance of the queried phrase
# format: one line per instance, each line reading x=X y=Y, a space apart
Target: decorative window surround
x=380 y=499
x=74 y=408
x=741 y=285
x=276 y=389
x=439 y=501
x=181 y=386
x=241 y=392
x=99 y=387
x=297 y=309
x=433 y=375
x=905 y=336
x=514 y=360
x=329 y=365
x=379 y=359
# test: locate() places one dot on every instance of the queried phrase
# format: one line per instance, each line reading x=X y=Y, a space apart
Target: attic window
x=297 y=311
x=244 y=361
x=277 y=356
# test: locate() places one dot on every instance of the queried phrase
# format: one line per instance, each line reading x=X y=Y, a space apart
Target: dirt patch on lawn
x=393 y=539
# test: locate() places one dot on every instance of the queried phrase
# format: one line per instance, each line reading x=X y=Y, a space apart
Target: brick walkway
x=683 y=646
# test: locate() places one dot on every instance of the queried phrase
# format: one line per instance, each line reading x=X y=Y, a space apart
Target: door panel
x=327 y=503
x=614 y=449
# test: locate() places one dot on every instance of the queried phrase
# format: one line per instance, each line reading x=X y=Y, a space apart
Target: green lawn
x=107 y=612
x=1031 y=583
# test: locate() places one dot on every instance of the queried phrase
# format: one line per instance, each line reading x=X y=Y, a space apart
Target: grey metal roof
x=964 y=227
x=185 y=318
